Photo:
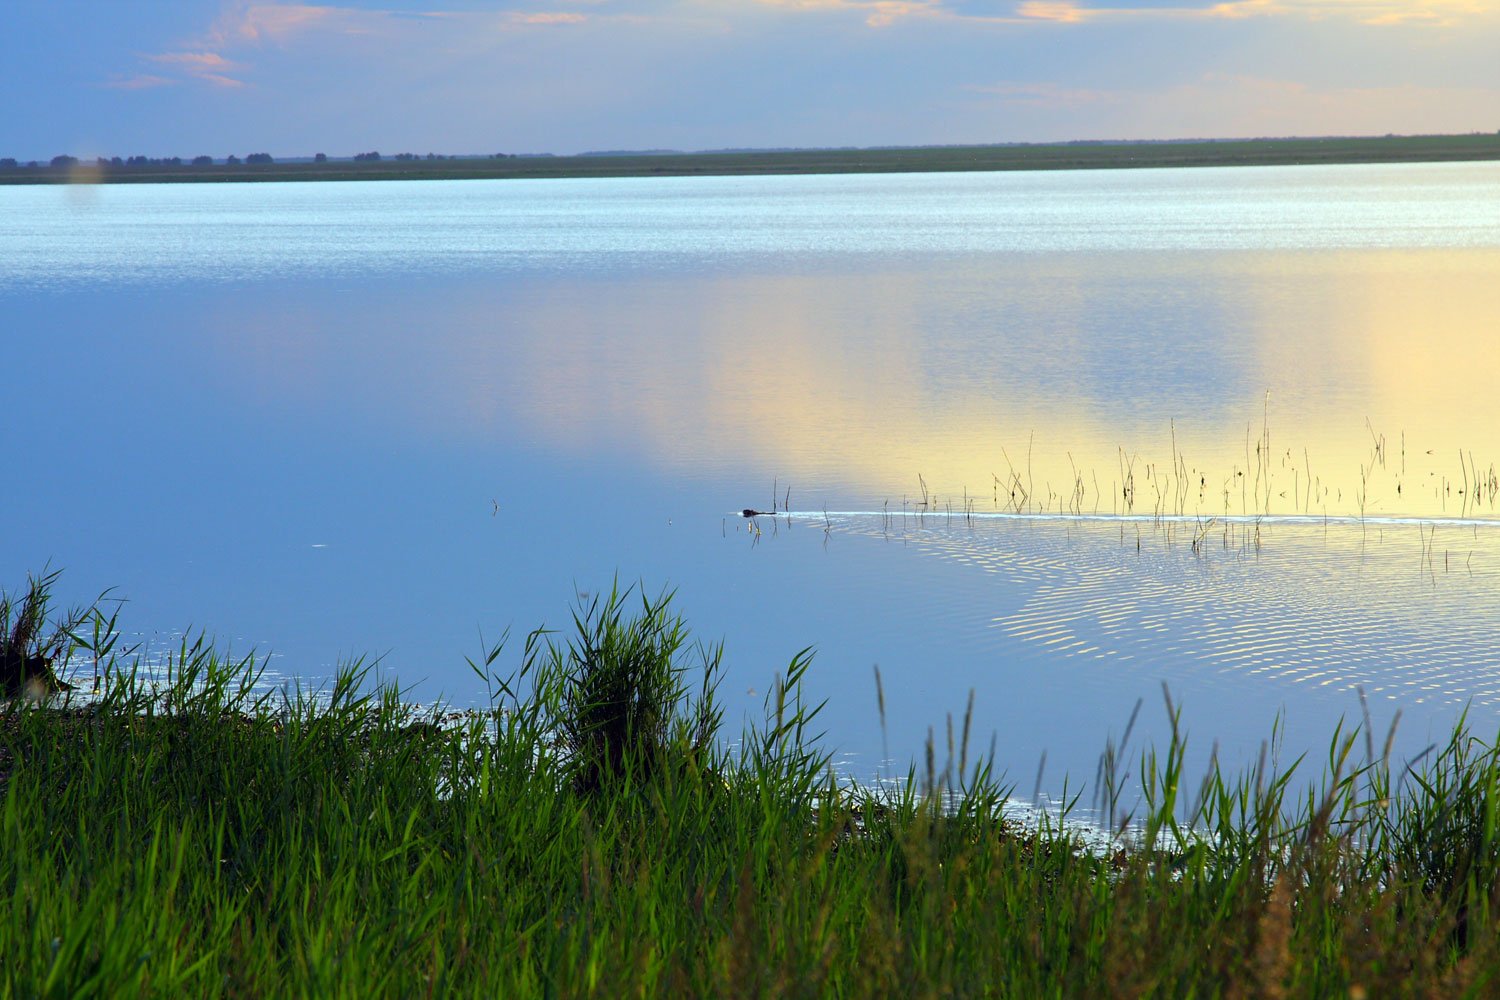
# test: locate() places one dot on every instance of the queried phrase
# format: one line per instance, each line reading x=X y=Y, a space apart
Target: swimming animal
x=21 y=673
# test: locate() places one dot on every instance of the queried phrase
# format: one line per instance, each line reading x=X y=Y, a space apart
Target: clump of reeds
x=617 y=695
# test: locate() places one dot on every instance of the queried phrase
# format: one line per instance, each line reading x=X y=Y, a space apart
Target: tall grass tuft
x=618 y=697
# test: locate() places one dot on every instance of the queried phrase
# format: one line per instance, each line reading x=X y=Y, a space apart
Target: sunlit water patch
x=155 y=233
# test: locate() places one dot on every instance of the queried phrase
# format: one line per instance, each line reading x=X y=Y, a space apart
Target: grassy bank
x=594 y=834
x=1055 y=156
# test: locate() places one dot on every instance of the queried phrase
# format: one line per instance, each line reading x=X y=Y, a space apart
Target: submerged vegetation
x=594 y=833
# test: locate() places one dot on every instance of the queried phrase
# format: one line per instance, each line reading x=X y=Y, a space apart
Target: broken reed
x=201 y=834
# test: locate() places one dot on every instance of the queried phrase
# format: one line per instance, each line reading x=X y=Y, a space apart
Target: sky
x=215 y=77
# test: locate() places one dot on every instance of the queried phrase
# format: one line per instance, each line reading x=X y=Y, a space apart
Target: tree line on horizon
x=67 y=162
x=1005 y=155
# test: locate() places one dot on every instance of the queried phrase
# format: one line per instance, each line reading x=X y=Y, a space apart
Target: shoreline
x=929 y=159
x=200 y=838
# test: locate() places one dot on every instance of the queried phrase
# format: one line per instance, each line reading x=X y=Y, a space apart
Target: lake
x=1058 y=439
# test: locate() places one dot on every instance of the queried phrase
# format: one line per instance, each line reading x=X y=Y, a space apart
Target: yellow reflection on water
x=1352 y=383
x=1414 y=331
x=1236 y=383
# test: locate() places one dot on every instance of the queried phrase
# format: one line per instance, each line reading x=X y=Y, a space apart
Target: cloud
x=141 y=81
x=1436 y=14
x=276 y=22
x=252 y=24
x=245 y=25
x=1224 y=105
x=887 y=12
x=1062 y=11
x=1242 y=104
x=1374 y=12
x=559 y=17
x=878 y=13
x=194 y=62
x=207 y=67
x=218 y=80
x=1044 y=95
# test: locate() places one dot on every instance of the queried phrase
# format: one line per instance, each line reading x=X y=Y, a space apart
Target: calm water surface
x=1055 y=438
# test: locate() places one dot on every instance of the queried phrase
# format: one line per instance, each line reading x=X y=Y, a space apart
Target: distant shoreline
x=1058 y=156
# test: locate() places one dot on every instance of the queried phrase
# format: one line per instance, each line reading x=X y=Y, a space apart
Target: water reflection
x=1338 y=384
x=1067 y=622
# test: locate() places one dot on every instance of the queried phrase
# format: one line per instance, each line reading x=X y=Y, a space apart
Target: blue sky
x=188 y=77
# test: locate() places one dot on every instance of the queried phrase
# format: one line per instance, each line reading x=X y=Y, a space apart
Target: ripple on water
x=1336 y=606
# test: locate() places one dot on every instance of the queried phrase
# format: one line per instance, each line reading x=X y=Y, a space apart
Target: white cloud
x=1045 y=94
x=1427 y=12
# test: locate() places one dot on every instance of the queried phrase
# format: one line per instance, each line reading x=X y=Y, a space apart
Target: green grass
x=1039 y=156
x=202 y=835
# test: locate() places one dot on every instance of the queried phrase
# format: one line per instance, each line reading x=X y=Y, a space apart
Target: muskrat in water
x=23 y=674
x=752 y=512
x=26 y=658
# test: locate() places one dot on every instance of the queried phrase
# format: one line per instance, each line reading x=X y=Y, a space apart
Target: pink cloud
x=878 y=13
x=219 y=80
x=1375 y=12
x=141 y=81
x=1061 y=11
x=248 y=24
x=1440 y=13
x=194 y=62
x=546 y=18
x=1432 y=12
x=273 y=22
x=209 y=67
x=888 y=12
